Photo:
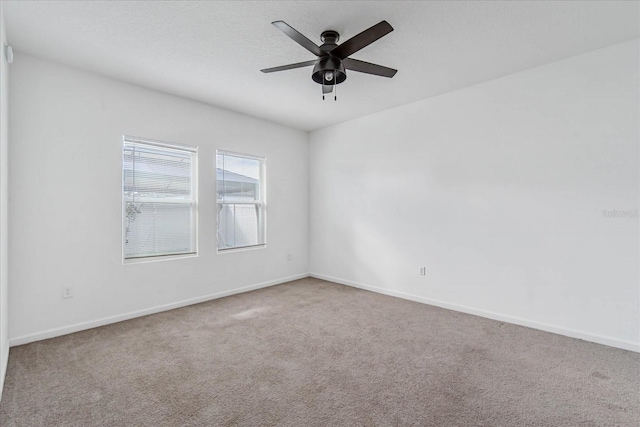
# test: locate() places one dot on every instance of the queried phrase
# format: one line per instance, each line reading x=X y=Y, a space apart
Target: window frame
x=193 y=202
x=261 y=204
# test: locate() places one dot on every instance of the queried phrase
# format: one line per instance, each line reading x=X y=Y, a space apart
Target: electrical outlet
x=423 y=271
x=67 y=292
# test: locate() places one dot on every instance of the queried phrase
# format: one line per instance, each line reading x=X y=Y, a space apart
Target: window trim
x=262 y=203
x=128 y=139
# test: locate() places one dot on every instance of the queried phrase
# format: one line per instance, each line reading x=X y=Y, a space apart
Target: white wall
x=65 y=188
x=4 y=144
x=499 y=190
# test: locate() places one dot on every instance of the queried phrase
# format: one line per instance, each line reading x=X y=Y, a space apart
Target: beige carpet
x=313 y=353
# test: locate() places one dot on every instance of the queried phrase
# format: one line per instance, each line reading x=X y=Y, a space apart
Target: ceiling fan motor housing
x=333 y=66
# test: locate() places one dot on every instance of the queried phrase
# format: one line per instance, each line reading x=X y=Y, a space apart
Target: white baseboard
x=599 y=339
x=3 y=371
x=56 y=332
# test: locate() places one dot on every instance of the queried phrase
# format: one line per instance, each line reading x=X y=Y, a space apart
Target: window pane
x=238 y=178
x=158 y=229
x=238 y=226
x=151 y=172
x=160 y=204
x=240 y=194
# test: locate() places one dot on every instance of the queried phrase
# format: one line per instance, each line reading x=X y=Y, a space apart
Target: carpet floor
x=314 y=353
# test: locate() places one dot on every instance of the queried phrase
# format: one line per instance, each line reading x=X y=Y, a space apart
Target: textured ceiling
x=213 y=51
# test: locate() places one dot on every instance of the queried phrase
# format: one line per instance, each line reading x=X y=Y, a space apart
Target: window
x=159 y=198
x=240 y=200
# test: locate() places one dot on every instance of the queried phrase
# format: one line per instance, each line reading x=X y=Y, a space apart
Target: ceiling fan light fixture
x=329 y=66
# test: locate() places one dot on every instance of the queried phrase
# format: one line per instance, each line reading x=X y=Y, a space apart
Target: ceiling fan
x=332 y=59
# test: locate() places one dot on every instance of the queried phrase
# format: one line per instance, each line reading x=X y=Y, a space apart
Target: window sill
x=243 y=249
x=157 y=258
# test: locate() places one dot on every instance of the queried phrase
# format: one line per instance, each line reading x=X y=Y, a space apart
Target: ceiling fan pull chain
x=335 y=87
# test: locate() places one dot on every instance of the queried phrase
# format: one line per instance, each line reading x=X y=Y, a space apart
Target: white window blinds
x=159 y=198
x=240 y=200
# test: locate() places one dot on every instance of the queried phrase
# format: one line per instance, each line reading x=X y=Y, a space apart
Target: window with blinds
x=159 y=199
x=240 y=196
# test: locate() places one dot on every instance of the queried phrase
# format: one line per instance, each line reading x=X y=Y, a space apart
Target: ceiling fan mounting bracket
x=330 y=37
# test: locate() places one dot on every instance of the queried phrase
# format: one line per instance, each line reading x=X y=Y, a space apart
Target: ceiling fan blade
x=327 y=89
x=367 y=67
x=361 y=40
x=298 y=38
x=290 y=66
